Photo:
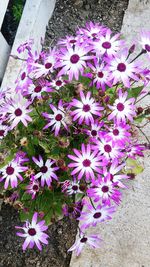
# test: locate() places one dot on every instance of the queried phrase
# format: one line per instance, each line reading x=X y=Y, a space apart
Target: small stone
x=87 y=7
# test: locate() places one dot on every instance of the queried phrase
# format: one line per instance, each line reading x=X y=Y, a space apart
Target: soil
x=61 y=237
x=68 y=15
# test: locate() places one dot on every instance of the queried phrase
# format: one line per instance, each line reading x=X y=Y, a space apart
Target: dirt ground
x=68 y=15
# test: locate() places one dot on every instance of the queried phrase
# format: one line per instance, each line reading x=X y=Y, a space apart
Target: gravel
x=70 y=14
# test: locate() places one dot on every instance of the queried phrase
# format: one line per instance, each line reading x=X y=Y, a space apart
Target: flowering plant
x=68 y=133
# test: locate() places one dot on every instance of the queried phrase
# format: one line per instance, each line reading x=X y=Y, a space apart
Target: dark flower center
x=35 y=187
x=120 y=106
x=37 y=89
x=58 y=83
x=72 y=41
x=100 y=74
x=107 y=148
x=105 y=188
x=75 y=187
x=115 y=132
x=23 y=75
x=74 y=58
x=10 y=170
x=48 y=65
x=94 y=35
x=147 y=47
x=97 y=215
x=58 y=117
x=121 y=67
x=93 y=132
x=43 y=169
x=32 y=232
x=18 y=112
x=111 y=177
x=2 y=132
x=86 y=108
x=83 y=240
x=86 y=163
x=106 y=45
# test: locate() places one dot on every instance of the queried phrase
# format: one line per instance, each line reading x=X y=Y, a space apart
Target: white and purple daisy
x=104 y=189
x=39 y=70
x=57 y=83
x=33 y=187
x=107 y=149
x=11 y=173
x=114 y=171
x=57 y=119
x=92 y=240
x=85 y=109
x=33 y=233
x=122 y=70
x=119 y=133
x=92 y=31
x=92 y=215
x=72 y=60
x=86 y=162
x=107 y=45
x=100 y=75
x=71 y=187
x=17 y=110
x=95 y=128
x=47 y=171
x=122 y=108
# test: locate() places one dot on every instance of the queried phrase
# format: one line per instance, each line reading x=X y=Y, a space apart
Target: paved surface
x=127 y=236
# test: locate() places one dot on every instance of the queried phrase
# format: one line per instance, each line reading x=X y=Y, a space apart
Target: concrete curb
x=33 y=23
x=4 y=47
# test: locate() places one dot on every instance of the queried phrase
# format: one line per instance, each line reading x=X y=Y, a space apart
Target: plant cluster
x=68 y=131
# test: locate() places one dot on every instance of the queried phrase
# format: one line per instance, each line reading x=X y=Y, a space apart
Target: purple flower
x=33 y=233
x=119 y=133
x=11 y=173
x=122 y=70
x=107 y=45
x=104 y=189
x=92 y=240
x=114 y=171
x=122 y=108
x=85 y=109
x=57 y=83
x=71 y=187
x=27 y=45
x=92 y=215
x=135 y=150
x=39 y=70
x=72 y=60
x=86 y=162
x=57 y=119
x=95 y=127
x=3 y=130
x=47 y=171
x=107 y=149
x=33 y=187
x=92 y=31
x=36 y=91
x=100 y=75
x=17 y=110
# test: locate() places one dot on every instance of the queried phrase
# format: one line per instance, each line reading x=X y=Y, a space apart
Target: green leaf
x=134 y=92
x=132 y=166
